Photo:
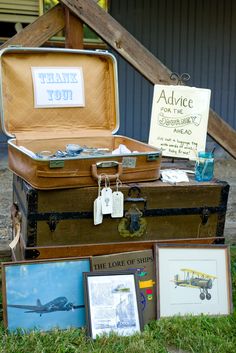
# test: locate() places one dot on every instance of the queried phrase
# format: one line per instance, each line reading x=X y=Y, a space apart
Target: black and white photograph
x=112 y=303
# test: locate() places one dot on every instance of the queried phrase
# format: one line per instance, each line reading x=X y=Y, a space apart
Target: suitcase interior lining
x=20 y=114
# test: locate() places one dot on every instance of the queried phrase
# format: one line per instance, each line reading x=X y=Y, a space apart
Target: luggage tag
x=97 y=206
x=106 y=198
x=117 y=202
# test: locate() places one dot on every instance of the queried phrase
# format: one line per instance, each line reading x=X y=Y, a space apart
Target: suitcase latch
x=52 y=223
x=205 y=215
x=133 y=215
x=133 y=225
x=152 y=157
x=56 y=164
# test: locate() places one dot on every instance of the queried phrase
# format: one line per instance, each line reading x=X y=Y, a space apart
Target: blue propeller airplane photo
x=57 y=304
x=196 y=279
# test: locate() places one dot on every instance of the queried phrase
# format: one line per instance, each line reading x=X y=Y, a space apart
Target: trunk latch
x=205 y=215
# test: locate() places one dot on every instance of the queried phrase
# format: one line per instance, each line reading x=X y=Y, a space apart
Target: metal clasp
x=205 y=215
x=52 y=223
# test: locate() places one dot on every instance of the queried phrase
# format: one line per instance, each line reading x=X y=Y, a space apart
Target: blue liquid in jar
x=204 y=168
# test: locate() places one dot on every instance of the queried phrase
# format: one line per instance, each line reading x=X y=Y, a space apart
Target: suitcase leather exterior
x=33 y=129
x=154 y=211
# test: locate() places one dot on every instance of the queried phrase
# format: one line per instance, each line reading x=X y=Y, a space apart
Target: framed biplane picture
x=193 y=279
x=44 y=294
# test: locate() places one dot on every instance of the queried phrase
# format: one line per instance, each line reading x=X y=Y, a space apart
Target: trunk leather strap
x=16 y=225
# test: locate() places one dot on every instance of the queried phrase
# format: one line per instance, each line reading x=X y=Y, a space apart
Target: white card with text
x=58 y=87
x=179 y=120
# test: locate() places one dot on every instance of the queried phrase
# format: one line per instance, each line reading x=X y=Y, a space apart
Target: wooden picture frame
x=44 y=294
x=111 y=302
x=183 y=270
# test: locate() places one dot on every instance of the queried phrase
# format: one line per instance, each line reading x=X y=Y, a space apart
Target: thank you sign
x=179 y=120
x=58 y=87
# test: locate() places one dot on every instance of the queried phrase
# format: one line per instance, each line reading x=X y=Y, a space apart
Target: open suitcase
x=60 y=110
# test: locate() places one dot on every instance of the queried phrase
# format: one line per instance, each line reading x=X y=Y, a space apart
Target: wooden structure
x=71 y=14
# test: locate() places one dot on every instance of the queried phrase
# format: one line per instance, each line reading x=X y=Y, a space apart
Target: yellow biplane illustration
x=196 y=279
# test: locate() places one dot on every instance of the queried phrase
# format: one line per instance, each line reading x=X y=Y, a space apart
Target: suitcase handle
x=107 y=164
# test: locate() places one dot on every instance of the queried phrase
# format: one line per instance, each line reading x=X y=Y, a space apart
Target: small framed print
x=193 y=279
x=44 y=294
x=111 y=302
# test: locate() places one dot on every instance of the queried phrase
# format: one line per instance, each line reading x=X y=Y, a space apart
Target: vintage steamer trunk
x=60 y=222
x=40 y=128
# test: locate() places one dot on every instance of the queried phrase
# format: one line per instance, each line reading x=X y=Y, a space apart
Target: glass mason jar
x=204 y=167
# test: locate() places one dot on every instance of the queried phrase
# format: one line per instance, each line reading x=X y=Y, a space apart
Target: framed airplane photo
x=193 y=279
x=43 y=295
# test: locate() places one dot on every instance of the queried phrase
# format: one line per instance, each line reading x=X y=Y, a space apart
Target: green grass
x=201 y=334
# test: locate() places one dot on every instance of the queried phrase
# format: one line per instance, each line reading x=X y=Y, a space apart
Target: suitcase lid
x=20 y=116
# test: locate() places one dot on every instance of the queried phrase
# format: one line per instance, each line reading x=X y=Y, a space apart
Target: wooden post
x=73 y=31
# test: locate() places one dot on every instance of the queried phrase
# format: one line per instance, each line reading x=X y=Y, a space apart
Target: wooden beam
x=38 y=32
x=74 y=33
x=222 y=132
x=142 y=60
x=120 y=39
